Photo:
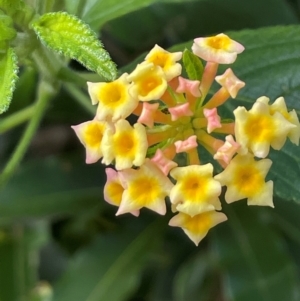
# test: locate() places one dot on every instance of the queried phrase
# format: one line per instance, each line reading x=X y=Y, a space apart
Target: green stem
x=67 y=75
x=45 y=93
x=16 y=119
x=80 y=97
x=46 y=62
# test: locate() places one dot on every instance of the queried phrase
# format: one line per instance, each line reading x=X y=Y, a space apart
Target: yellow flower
x=196 y=227
x=195 y=191
x=149 y=82
x=218 y=49
x=114 y=100
x=279 y=106
x=90 y=134
x=257 y=129
x=245 y=178
x=113 y=189
x=126 y=145
x=166 y=60
x=146 y=187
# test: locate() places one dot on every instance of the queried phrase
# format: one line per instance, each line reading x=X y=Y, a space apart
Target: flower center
x=200 y=223
x=145 y=190
x=111 y=93
x=93 y=135
x=218 y=42
x=125 y=143
x=149 y=84
x=260 y=128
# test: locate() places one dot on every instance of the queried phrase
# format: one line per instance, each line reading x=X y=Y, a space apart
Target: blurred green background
x=60 y=241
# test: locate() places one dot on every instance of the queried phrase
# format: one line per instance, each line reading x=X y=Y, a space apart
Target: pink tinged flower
x=186 y=145
x=113 y=189
x=90 y=134
x=126 y=145
x=180 y=111
x=218 y=49
x=166 y=60
x=197 y=227
x=213 y=119
x=257 y=129
x=279 y=106
x=227 y=150
x=189 y=87
x=245 y=178
x=162 y=162
x=148 y=113
x=196 y=191
x=149 y=82
x=113 y=98
x=230 y=82
x=144 y=187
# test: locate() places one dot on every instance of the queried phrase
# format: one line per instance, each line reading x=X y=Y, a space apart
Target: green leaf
x=190 y=277
x=6 y=29
x=96 y=13
x=19 y=246
x=68 y=35
x=110 y=268
x=192 y=65
x=11 y=5
x=254 y=259
x=8 y=78
x=169 y=23
x=50 y=186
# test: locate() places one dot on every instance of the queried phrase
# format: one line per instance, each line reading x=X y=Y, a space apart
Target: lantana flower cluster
x=175 y=118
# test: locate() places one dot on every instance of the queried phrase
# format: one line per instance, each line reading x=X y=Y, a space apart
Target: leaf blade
x=68 y=35
x=8 y=78
x=193 y=65
x=254 y=259
x=120 y=267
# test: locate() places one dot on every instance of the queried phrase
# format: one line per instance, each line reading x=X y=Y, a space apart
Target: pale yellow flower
x=113 y=189
x=218 y=49
x=144 y=187
x=149 y=82
x=166 y=60
x=196 y=190
x=197 y=227
x=245 y=178
x=279 y=105
x=257 y=129
x=90 y=134
x=126 y=145
x=113 y=98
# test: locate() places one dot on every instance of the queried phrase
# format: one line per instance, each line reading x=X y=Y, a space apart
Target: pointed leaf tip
x=193 y=65
x=70 y=36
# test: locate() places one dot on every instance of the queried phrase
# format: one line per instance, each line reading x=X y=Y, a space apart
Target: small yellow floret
x=245 y=178
x=279 y=106
x=114 y=100
x=113 y=189
x=149 y=82
x=91 y=134
x=146 y=187
x=257 y=129
x=195 y=191
x=166 y=60
x=218 y=49
x=126 y=145
x=197 y=227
